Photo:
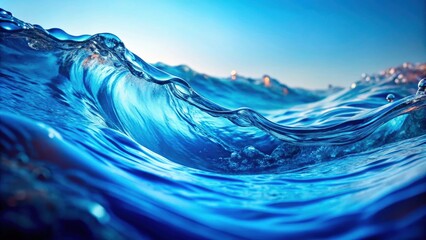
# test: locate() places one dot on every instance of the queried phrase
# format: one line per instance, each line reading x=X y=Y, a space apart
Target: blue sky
x=302 y=43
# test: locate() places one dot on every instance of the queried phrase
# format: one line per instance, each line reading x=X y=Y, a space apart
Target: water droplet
x=267 y=81
x=422 y=87
x=5 y=14
x=99 y=212
x=52 y=133
x=353 y=85
x=234 y=75
x=9 y=26
x=250 y=151
x=234 y=155
x=390 y=97
x=407 y=65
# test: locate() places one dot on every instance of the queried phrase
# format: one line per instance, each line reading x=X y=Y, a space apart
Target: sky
x=301 y=43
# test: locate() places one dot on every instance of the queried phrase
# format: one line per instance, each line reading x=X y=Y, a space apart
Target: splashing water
x=96 y=143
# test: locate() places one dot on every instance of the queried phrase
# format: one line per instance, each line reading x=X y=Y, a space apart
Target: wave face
x=97 y=143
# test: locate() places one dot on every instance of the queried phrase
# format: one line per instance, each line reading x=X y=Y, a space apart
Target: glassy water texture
x=97 y=143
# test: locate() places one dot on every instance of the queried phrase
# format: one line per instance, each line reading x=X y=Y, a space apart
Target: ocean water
x=96 y=143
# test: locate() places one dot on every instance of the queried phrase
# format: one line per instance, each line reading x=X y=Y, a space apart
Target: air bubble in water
x=250 y=151
x=390 y=97
x=422 y=87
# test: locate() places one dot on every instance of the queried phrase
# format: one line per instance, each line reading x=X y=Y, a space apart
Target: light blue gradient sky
x=302 y=43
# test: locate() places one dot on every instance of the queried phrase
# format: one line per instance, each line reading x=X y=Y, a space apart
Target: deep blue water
x=97 y=143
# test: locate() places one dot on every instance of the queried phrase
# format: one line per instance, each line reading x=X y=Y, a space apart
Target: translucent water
x=96 y=143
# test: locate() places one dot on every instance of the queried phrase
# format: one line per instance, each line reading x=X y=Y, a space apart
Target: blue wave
x=97 y=143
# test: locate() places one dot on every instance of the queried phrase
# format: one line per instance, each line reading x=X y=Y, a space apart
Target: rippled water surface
x=96 y=143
